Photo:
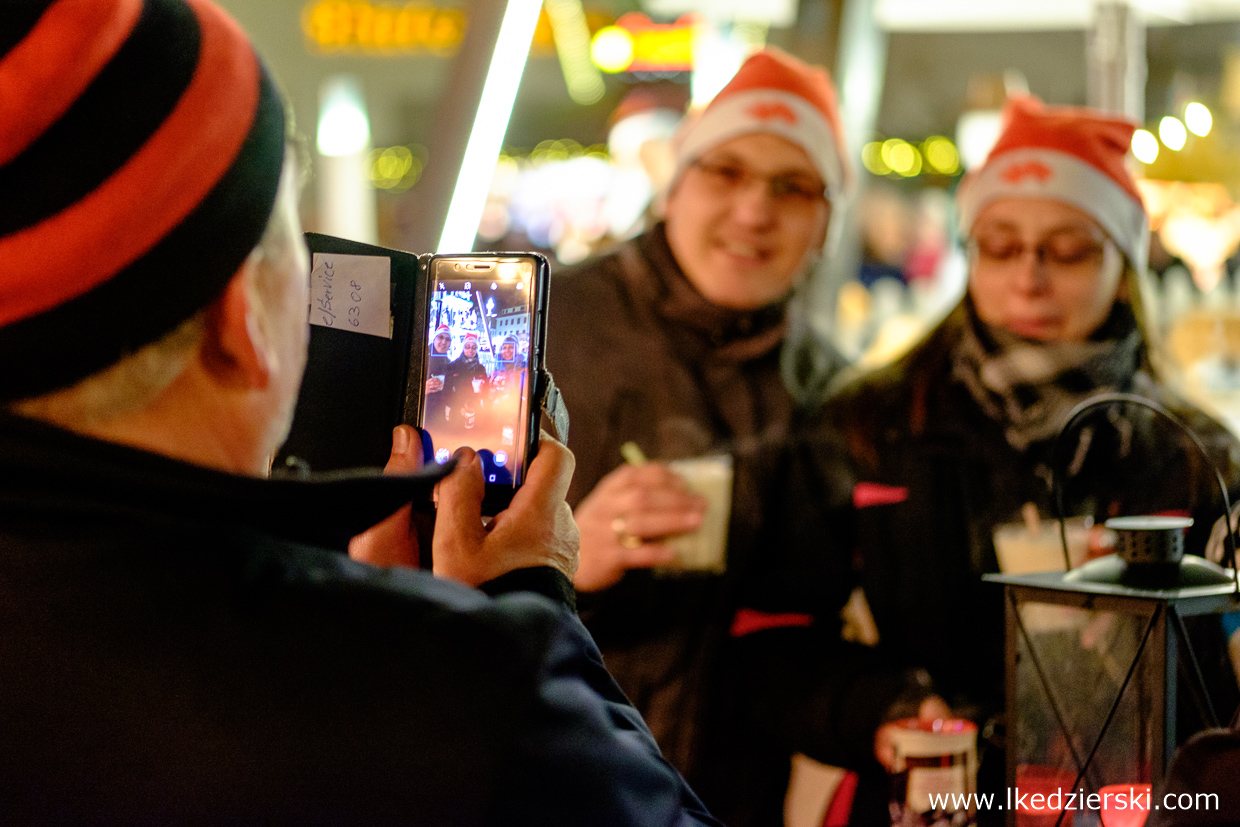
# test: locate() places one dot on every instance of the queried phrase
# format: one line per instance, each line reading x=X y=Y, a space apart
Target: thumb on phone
x=458 y=551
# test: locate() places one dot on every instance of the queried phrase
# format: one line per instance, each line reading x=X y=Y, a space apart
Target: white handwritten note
x=352 y=293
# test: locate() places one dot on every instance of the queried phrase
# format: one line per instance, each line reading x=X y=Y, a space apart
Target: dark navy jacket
x=182 y=646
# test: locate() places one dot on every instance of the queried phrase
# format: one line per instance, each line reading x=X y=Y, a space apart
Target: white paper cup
x=1021 y=551
x=704 y=550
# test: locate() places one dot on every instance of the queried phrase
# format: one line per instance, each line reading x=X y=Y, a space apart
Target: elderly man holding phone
x=184 y=641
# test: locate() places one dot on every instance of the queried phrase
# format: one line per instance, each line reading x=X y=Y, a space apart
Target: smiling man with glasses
x=673 y=343
x=746 y=219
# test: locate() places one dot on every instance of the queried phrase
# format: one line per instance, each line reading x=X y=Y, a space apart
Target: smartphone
x=482 y=366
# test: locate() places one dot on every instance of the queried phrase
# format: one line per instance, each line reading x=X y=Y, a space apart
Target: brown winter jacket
x=640 y=355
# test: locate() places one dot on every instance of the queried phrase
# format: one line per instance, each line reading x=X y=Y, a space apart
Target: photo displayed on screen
x=477 y=382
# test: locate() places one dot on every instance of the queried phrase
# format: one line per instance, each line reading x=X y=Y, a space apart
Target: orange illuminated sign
x=356 y=25
x=403 y=28
x=659 y=47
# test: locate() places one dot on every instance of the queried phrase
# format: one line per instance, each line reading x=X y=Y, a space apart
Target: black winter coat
x=183 y=646
x=935 y=476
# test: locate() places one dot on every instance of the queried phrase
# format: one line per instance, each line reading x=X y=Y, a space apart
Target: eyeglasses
x=792 y=188
x=1068 y=252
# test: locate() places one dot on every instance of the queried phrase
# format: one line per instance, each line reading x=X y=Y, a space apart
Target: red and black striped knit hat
x=141 y=145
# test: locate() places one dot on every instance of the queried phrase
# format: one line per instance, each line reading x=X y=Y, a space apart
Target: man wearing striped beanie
x=183 y=641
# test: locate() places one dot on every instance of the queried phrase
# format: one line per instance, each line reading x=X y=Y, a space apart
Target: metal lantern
x=1094 y=658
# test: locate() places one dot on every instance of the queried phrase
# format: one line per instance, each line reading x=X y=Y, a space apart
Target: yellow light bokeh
x=1144 y=146
x=872 y=158
x=553 y=151
x=571 y=35
x=915 y=167
x=1198 y=119
x=612 y=49
x=1172 y=133
x=902 y=157
x=941 y=155
x=395 y=168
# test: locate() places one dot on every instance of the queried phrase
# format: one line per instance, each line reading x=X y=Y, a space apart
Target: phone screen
x=477 y=382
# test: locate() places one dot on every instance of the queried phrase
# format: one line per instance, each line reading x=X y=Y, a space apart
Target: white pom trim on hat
x=772 y=111
x=1038 y=172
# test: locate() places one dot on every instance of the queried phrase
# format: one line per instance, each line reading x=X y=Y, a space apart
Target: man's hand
x=393 y=542
x=433 y=384
x=536 y=529
x=625 y=517
x=932 y=708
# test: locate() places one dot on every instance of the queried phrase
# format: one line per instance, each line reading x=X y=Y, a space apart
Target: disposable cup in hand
x=934 y=773
x=1022 y=549
x=704 y=550
x=1036 y=547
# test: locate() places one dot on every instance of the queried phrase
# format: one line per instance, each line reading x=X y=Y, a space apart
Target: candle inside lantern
x=1043 y=793
x=1124 y=805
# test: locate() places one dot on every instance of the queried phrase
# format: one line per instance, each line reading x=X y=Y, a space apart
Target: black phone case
x=356 y=387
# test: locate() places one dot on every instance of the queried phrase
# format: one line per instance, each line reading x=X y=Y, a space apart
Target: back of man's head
x=141 y=147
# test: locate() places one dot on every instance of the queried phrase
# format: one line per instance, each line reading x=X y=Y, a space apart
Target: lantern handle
x=1114 y=398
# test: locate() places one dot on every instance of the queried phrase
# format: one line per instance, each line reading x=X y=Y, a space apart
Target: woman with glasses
x=956 y=437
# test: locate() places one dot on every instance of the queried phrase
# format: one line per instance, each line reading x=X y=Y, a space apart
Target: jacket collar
x=655 y=278
x=45 y=467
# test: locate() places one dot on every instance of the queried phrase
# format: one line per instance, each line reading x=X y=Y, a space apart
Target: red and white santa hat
x=1067 y=154
x=443 y=328
x=777 y=93
x=471 y=335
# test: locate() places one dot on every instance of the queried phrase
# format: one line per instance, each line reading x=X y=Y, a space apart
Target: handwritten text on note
x=352 y=293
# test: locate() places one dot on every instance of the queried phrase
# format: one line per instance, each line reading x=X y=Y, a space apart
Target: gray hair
x=138 y=379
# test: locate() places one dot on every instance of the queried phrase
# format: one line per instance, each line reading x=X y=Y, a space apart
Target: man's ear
x=659 y=204
x=821 y=240
x=236 y=350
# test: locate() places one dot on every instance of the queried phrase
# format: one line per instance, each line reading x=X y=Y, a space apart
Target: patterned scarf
x=1029 y=387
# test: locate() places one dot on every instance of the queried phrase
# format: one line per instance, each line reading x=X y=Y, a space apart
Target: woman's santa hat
x=1066 y=154
x=776 y=93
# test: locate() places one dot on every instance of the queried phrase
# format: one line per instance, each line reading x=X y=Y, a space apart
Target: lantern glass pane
x=1084 y=656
